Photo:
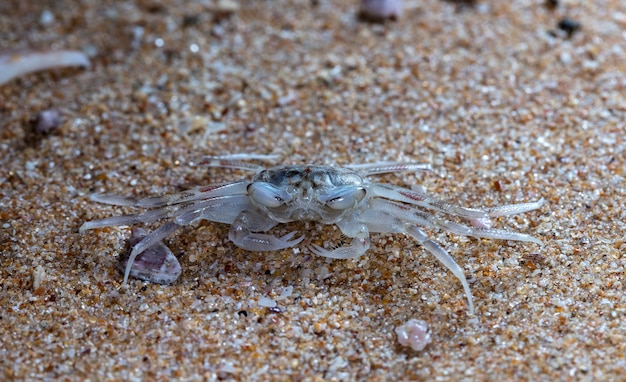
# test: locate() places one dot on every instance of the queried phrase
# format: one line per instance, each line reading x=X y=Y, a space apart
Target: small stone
x=46 y=121
x=318 y=327
x=267 y=302
x=414 y=334
x=39 y=274
x=569 y=26
x=380 y=10
x=46 y=18
x=224 y=8
x=551 y=4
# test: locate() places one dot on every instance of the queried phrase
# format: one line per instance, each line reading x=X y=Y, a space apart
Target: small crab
x=324 y=194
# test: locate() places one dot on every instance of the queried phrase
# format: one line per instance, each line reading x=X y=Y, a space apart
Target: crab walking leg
x=443 y=257
x=145 y=217
x=198 y=193
x=244 y=232
x=227 y=211
x=194 y=194
x=492 y=233
x=514 y=209
x=383 y=221
x=221 y=210
x=412 y=215
x=422 y=200
x=430 y=221
x=509 y=209
x=211 y=208
x=360 y=241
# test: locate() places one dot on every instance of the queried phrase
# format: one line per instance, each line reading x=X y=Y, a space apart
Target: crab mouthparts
x=306 y=214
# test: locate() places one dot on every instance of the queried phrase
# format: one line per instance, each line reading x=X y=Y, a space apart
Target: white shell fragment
x=156 y=264
x=39 y=275
x=414 y=334
x=16 y=63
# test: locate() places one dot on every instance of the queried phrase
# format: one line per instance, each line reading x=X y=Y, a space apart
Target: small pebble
x=39 y=274
x=551 y=4
x=462 y=4
x=414 y=334
x=46 y=121
x=380 y=10
x=267 y=302
x=224 y=8
x=569 y=26
x=286 y=292
x=46 y=18
x=318 y=328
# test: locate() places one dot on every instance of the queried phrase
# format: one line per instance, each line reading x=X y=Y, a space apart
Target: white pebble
x=39 y=274
x=228 y=367
x=414 y=334
x=46 y=18
x=286 y=291
x=267 y=302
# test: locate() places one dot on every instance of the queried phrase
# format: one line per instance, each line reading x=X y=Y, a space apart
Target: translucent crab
x=325 y=194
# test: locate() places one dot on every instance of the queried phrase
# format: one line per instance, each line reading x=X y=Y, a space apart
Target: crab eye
x=343 y=197
x=267 y=194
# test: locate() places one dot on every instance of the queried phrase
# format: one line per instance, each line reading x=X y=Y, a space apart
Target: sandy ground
x=506 y=107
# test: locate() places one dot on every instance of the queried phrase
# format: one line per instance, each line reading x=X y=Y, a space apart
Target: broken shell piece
x=16 y=63
x=414 y=334
x=39 y=275
x=156 y=264
x=46 y=121
x=380 y=10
